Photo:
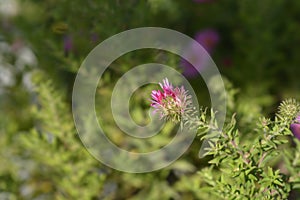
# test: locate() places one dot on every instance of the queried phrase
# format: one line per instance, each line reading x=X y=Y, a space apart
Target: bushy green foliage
x=244 y=167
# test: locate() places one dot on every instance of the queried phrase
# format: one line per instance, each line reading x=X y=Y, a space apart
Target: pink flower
x=208 y=39
x=171 y=103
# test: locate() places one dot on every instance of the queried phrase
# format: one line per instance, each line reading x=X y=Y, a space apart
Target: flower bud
x=295 y=127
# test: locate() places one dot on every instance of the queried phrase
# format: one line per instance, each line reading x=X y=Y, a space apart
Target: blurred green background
x=254 y=43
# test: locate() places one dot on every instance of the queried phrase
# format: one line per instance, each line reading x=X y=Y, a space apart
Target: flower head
x=295 y=127
x=208 y=39
x=171 y=103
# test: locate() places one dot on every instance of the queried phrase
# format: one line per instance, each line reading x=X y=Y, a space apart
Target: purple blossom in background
x=208 y=39
x=94 y=38
x=68 y=44
x=295 y=128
